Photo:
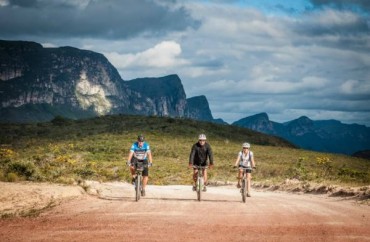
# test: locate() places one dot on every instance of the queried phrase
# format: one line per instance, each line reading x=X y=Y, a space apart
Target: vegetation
x=69 y=151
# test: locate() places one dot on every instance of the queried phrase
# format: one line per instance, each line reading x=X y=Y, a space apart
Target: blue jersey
x=140 y=152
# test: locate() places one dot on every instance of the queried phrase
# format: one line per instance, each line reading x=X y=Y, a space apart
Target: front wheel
x=244 y=190
x=138 y=187
x=199 y=188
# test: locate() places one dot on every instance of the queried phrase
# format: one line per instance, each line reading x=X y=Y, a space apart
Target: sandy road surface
x=171 y=213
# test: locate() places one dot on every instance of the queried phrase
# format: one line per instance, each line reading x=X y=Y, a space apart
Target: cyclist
x=245 y=159
x=200 y=152
x=140 y=152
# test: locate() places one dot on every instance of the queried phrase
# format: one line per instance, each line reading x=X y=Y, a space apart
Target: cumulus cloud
x=356 y=87
x=165 y=54
x=4 y=3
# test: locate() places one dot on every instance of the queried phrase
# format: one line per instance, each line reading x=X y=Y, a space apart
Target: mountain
x=166 y=94
x=324 y=135
x=37 y=84
x=198 y=108
x=44 y=82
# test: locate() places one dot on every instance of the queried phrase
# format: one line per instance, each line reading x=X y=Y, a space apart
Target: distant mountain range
x=324 y=135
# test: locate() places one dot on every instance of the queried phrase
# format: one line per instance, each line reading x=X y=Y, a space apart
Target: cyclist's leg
x=132 y=168
x=205 y=176
x=249 y=178
x=195 y=176
x=239 y=176
x=195 y=173
x=145 y=175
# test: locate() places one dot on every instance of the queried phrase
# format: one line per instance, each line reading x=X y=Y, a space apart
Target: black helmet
x=140 y=138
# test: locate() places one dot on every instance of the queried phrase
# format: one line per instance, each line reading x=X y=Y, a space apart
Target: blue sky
x=285 y=58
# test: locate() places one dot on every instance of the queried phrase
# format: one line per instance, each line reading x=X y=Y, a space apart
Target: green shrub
x=12 y=177
x=2 y=176
x=351 y=174
x=22 y=168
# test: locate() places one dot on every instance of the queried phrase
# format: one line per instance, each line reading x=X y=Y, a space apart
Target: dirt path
x=171 y=213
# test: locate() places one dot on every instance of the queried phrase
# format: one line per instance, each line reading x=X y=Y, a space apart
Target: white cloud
x=4 y=3
x=334 y=17
x=355 y=87
x=48 y=45
x=165 y=54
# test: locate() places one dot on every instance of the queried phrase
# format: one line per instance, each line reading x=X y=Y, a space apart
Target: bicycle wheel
x=199 y=188
x=244 y=189
x=138 y=187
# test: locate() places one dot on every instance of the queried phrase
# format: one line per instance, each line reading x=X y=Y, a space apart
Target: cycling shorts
x=135 y=161
x=248 y=168
x=197 y=163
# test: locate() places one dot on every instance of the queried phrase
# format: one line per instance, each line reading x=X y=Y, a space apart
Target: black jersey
x=199 y=154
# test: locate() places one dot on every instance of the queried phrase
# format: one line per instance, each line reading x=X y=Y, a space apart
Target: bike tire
x=244 y=189
x=199 y=189
x=137 y=187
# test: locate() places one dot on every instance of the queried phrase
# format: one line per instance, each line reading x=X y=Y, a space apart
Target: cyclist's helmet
x=140 y=138
x=246 y=145
x=202 y=137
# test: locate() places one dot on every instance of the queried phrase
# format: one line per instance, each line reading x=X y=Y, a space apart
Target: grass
x=68 y=151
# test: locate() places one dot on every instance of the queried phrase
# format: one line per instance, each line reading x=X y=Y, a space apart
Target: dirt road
x=171 y=213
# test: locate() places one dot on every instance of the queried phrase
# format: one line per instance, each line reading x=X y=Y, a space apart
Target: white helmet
x=246 y=145
x=202 y=137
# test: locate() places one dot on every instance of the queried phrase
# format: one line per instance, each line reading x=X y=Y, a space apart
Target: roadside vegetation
x=70 y=152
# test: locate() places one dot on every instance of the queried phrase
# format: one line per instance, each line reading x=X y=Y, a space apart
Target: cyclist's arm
x=150 y=157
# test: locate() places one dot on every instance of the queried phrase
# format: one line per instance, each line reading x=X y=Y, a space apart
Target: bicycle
x=200 y=180
x=139 y=168
x=244 y=186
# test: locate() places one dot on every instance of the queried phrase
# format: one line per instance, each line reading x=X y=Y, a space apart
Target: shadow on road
x=114 y=198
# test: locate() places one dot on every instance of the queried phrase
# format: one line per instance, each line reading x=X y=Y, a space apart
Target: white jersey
x=245 y=159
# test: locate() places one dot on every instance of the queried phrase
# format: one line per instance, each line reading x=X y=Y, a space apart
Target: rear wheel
x=138 y=187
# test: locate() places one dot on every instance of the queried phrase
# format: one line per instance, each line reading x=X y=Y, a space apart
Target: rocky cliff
x=198 y=108
x=163 y=96
x=37 y=84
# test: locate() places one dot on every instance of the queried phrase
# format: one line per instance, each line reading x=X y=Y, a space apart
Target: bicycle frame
x=244 y=185
x=200 y=180
x=139 y=168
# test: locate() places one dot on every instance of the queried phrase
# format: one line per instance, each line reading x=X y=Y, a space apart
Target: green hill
x=69 y=151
